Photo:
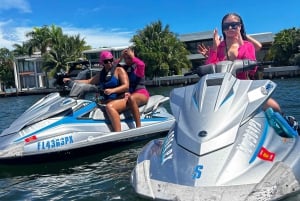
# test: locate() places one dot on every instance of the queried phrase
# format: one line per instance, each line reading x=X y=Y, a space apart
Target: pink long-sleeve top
x=140 y=67
x=245 y=51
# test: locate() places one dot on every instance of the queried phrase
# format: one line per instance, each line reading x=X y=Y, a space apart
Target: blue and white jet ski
x=223 y=146
x=58 y=125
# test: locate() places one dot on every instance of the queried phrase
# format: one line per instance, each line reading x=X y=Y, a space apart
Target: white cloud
x=11 y=32
x=96 y=38
x=21 y=5
x=10 y=35
x=100 y=38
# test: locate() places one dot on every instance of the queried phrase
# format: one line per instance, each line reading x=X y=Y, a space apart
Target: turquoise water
x=103 y=176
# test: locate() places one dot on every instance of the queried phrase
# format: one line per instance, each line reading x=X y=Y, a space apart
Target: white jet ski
x=223 y=146
x=56 y=126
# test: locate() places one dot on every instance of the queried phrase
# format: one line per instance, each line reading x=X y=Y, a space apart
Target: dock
x=172 y=80
x=279 y=72
x=29 y=92
x=265 y=73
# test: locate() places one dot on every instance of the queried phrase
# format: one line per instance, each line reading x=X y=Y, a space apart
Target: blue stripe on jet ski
x=73 y=118
x=260 y=143
x=66 y=120
x=195 y=101
x=154 y=119
x=85 y=109
x=227 y=97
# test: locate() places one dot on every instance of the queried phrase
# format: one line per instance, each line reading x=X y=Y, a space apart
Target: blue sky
x=114 y=22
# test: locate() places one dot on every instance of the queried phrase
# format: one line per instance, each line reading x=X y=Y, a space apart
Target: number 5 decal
x=197 y=171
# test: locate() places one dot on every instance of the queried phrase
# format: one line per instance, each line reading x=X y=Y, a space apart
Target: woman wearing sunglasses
x=235 y=46
x=114 y=82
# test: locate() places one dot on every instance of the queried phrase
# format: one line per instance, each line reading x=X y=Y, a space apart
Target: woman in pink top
x=235 y=46
x=139 y=95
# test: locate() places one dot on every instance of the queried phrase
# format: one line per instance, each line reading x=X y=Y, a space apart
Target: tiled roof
x=205 y=35
x=263 y=37
x=208 y=35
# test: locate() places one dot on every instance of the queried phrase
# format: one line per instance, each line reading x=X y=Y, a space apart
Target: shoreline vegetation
x=267 y=73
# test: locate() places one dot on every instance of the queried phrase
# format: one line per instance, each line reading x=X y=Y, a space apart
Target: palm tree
x=21 y=50
x=56 y=48
x=6 y=67
x=40 y=39
x=161 y=50
x=63 y=49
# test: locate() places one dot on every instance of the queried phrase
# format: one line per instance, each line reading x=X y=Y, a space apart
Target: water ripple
x=104 y=176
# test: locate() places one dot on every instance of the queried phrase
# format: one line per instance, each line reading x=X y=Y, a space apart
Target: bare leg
x=113 y=109
x=273 y=104
x=134 y=101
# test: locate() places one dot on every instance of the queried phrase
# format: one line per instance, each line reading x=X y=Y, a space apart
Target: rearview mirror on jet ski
x=80 y=90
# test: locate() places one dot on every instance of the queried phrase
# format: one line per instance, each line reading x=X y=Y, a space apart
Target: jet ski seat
x=152 y=104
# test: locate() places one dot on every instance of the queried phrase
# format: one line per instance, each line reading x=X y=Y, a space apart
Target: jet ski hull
x=58 y=125
x=222 y=146
x=69 y=154
x=277 y=182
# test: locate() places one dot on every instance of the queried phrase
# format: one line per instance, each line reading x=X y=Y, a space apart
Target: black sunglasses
x=233 y=25
x=108 y=60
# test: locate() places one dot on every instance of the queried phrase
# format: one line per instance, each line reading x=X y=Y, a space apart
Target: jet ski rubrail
x=223 y=146
x=57 y=124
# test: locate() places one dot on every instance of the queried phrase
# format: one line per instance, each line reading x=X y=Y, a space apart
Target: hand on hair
x=130 y=53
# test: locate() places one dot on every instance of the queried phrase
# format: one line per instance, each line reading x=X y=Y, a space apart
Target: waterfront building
x=29 y=73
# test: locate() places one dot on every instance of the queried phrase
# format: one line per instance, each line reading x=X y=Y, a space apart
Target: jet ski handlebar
x=80 y=90
x=228 y=66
